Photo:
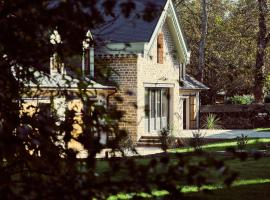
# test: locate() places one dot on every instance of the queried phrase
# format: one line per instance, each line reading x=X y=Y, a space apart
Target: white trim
x=159 y=24
x=159 y=85
x=187 y=111
x=179 y=28
x=165 y=13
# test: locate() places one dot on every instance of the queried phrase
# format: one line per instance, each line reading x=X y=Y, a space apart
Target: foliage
x=242 y=142
x=231 y=48
x=168 y=140
x=126 y=145
x=197 y=141
x=211 y=122
x=241 y=99
x=267 y=84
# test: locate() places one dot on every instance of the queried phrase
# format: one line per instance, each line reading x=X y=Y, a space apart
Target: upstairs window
x=56 y=65
x=88 y=56
x=88 y=62
x=160 y=49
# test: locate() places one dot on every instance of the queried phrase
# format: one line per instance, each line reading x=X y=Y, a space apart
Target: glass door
x=152 y=110
x=156 y=109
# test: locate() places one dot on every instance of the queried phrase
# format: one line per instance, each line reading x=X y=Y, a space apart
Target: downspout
x=108 y=97
x=107 y=104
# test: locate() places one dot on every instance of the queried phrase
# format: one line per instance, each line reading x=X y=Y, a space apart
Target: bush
x=211 y=122
x=242 y=100
x=197 y=141
x=168 y=141
x=242 y=142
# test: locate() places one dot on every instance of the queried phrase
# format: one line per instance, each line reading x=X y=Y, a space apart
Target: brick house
x=149 y=61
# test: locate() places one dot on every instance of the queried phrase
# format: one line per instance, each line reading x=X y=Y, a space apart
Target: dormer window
x=88 y=56
x=56 y=66
x=88 y=62
x=160 y=48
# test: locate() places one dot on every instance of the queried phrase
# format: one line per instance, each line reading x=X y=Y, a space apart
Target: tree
x=262 y=41
x=230 y=53
x=202 y=40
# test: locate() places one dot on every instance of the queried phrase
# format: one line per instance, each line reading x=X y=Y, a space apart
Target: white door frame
x=187 y=111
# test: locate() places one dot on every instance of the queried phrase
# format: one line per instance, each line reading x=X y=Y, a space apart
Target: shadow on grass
x=246 y=192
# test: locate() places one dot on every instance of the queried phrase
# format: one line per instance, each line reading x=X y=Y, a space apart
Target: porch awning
x=191 y=83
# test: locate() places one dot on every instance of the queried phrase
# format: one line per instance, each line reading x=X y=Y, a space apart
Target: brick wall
x=125 y=75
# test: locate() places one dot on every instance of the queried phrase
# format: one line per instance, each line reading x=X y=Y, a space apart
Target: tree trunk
x=262 y=41
x=202 y=43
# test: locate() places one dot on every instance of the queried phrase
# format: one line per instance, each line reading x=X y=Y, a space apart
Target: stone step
x=150 y=137
x=149 y=141
x=145 y=144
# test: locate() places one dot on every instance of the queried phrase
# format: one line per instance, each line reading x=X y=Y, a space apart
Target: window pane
x=87 y=62
x=165 y=102
x=153 y=104
x=91 y=61
x=146 y=103
x=158 y=103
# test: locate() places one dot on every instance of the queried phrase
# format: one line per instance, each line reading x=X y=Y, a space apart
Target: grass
x=253 y=182
x=262 y=129
x=253 y=144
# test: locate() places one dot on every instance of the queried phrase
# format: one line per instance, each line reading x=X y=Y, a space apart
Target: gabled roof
x=131 y=29
x=191 y=83
x=135 y=35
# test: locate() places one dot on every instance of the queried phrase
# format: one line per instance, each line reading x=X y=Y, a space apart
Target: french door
x=156 y=109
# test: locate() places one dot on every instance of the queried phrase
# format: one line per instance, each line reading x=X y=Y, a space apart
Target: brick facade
x=135 y=73
x=125 y=75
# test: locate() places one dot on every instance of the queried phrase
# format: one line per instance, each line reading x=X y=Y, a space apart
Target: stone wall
x=238 y=116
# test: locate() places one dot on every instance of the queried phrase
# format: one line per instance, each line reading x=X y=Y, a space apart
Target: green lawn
x=262 y=129
x=253 y=181
x=252 y=144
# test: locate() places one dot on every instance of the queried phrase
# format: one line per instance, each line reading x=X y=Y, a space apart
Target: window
x=160 y=48
x=182 y=71
x=156 y=109
x=56 y=66
x=88 y=56
x=88 y=62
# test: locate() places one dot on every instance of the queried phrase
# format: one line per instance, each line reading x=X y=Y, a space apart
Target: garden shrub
x=242 y=100
x=197 y=141
x=242 y=142
x=168 y=140
x=211 y=122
